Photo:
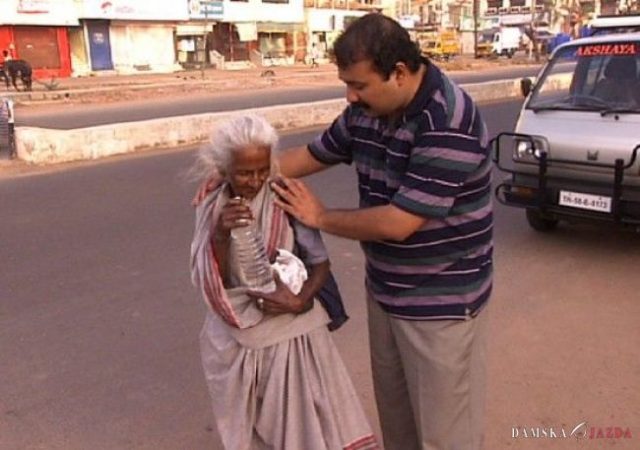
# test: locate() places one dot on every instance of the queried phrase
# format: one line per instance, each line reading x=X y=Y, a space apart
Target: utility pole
x=475 y=28
x=206 y=35
x=534 y=40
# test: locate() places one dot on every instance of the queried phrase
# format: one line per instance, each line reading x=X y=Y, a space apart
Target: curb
x=49 y=146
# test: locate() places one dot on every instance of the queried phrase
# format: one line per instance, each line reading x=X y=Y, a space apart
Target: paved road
x=99 y=324
x=78 y=116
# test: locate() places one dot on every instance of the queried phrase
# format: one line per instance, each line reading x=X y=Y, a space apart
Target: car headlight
x=528 y=149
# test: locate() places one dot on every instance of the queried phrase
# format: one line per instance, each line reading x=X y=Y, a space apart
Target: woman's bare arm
x=282 y=300
x=318 y=275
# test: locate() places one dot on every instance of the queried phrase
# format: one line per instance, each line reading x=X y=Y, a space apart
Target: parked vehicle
x=485 y=43
x=506 y=41
x=615 y=24
x=574 y=153
x=443 y=45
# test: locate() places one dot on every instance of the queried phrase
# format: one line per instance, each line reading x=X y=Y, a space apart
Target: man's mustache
x=361 y=104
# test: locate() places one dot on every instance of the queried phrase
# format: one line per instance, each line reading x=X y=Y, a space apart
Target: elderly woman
x=274 y=374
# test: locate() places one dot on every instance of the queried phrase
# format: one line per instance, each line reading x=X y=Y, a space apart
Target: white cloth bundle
x=290 y=269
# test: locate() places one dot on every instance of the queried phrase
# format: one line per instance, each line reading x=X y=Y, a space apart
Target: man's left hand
x=296 y=199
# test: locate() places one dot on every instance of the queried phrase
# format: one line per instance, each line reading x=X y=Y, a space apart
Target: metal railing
x=7 y=129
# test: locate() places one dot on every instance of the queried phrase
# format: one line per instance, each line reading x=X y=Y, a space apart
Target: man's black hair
x=379 y=39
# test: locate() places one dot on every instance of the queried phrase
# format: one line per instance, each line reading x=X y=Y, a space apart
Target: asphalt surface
x=99 y=323
x=61 y=115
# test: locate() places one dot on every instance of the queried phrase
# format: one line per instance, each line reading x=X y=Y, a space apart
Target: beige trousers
x=429 y=380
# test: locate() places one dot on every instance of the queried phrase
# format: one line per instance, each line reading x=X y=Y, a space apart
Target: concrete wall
x=45 y=146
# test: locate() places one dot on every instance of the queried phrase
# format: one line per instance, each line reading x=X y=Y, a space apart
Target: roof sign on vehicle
x=609 y=49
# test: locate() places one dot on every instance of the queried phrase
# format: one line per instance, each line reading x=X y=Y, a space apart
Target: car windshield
x=592 y=77
x=485 y=37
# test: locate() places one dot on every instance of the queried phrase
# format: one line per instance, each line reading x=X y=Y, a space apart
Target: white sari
x=276 y=382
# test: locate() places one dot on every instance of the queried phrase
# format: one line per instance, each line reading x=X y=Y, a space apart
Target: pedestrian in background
x=314 y=55
x=425 y=221
x=6 y=56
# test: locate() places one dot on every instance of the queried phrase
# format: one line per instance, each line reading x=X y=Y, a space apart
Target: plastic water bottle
x=252 y=258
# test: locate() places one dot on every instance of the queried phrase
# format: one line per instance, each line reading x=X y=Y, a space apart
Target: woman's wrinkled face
x=250 y=168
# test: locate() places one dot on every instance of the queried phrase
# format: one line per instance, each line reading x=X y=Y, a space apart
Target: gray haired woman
x=274 y=374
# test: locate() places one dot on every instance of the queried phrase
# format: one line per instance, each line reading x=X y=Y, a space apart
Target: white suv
x=574 y=153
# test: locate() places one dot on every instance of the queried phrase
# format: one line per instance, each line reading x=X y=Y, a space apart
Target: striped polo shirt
x=434 y=162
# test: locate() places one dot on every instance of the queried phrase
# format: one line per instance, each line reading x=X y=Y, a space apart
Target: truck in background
x=506 y=41
x=442 y=45
x=485 y=43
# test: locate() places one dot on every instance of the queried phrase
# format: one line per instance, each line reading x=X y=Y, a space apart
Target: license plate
x=585 y=201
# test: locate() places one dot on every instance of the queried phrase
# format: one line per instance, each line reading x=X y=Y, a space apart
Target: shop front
x=191 y=44
x=142 y=47
x=195 y=39
x=37 y=32
x=235 y=41
x=264 y=33
x=130 y=36
x=284 y=41
x=99 y=35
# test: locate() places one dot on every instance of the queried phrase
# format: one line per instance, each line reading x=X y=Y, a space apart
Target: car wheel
x=540 y=222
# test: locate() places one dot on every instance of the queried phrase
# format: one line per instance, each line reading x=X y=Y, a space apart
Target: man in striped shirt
x=425 y=221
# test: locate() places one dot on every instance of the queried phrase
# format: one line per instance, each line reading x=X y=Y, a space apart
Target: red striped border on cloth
x=363 y=443
x=213 y=288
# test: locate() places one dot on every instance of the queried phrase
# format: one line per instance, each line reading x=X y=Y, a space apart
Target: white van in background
x=575 y=152
x=506 y=41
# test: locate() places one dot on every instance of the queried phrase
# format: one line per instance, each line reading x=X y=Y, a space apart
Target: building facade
x=326 y=19
x=37 y=31
x=127 y=36
x=79 y=37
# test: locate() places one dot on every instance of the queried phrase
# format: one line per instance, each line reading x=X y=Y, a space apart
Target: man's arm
x=364 y=224
x=299 y=162
x=386 y=222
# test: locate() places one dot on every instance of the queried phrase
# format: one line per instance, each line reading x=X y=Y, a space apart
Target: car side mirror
x=526 y=85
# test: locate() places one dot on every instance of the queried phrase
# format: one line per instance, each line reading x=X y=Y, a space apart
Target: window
x=604 y=76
